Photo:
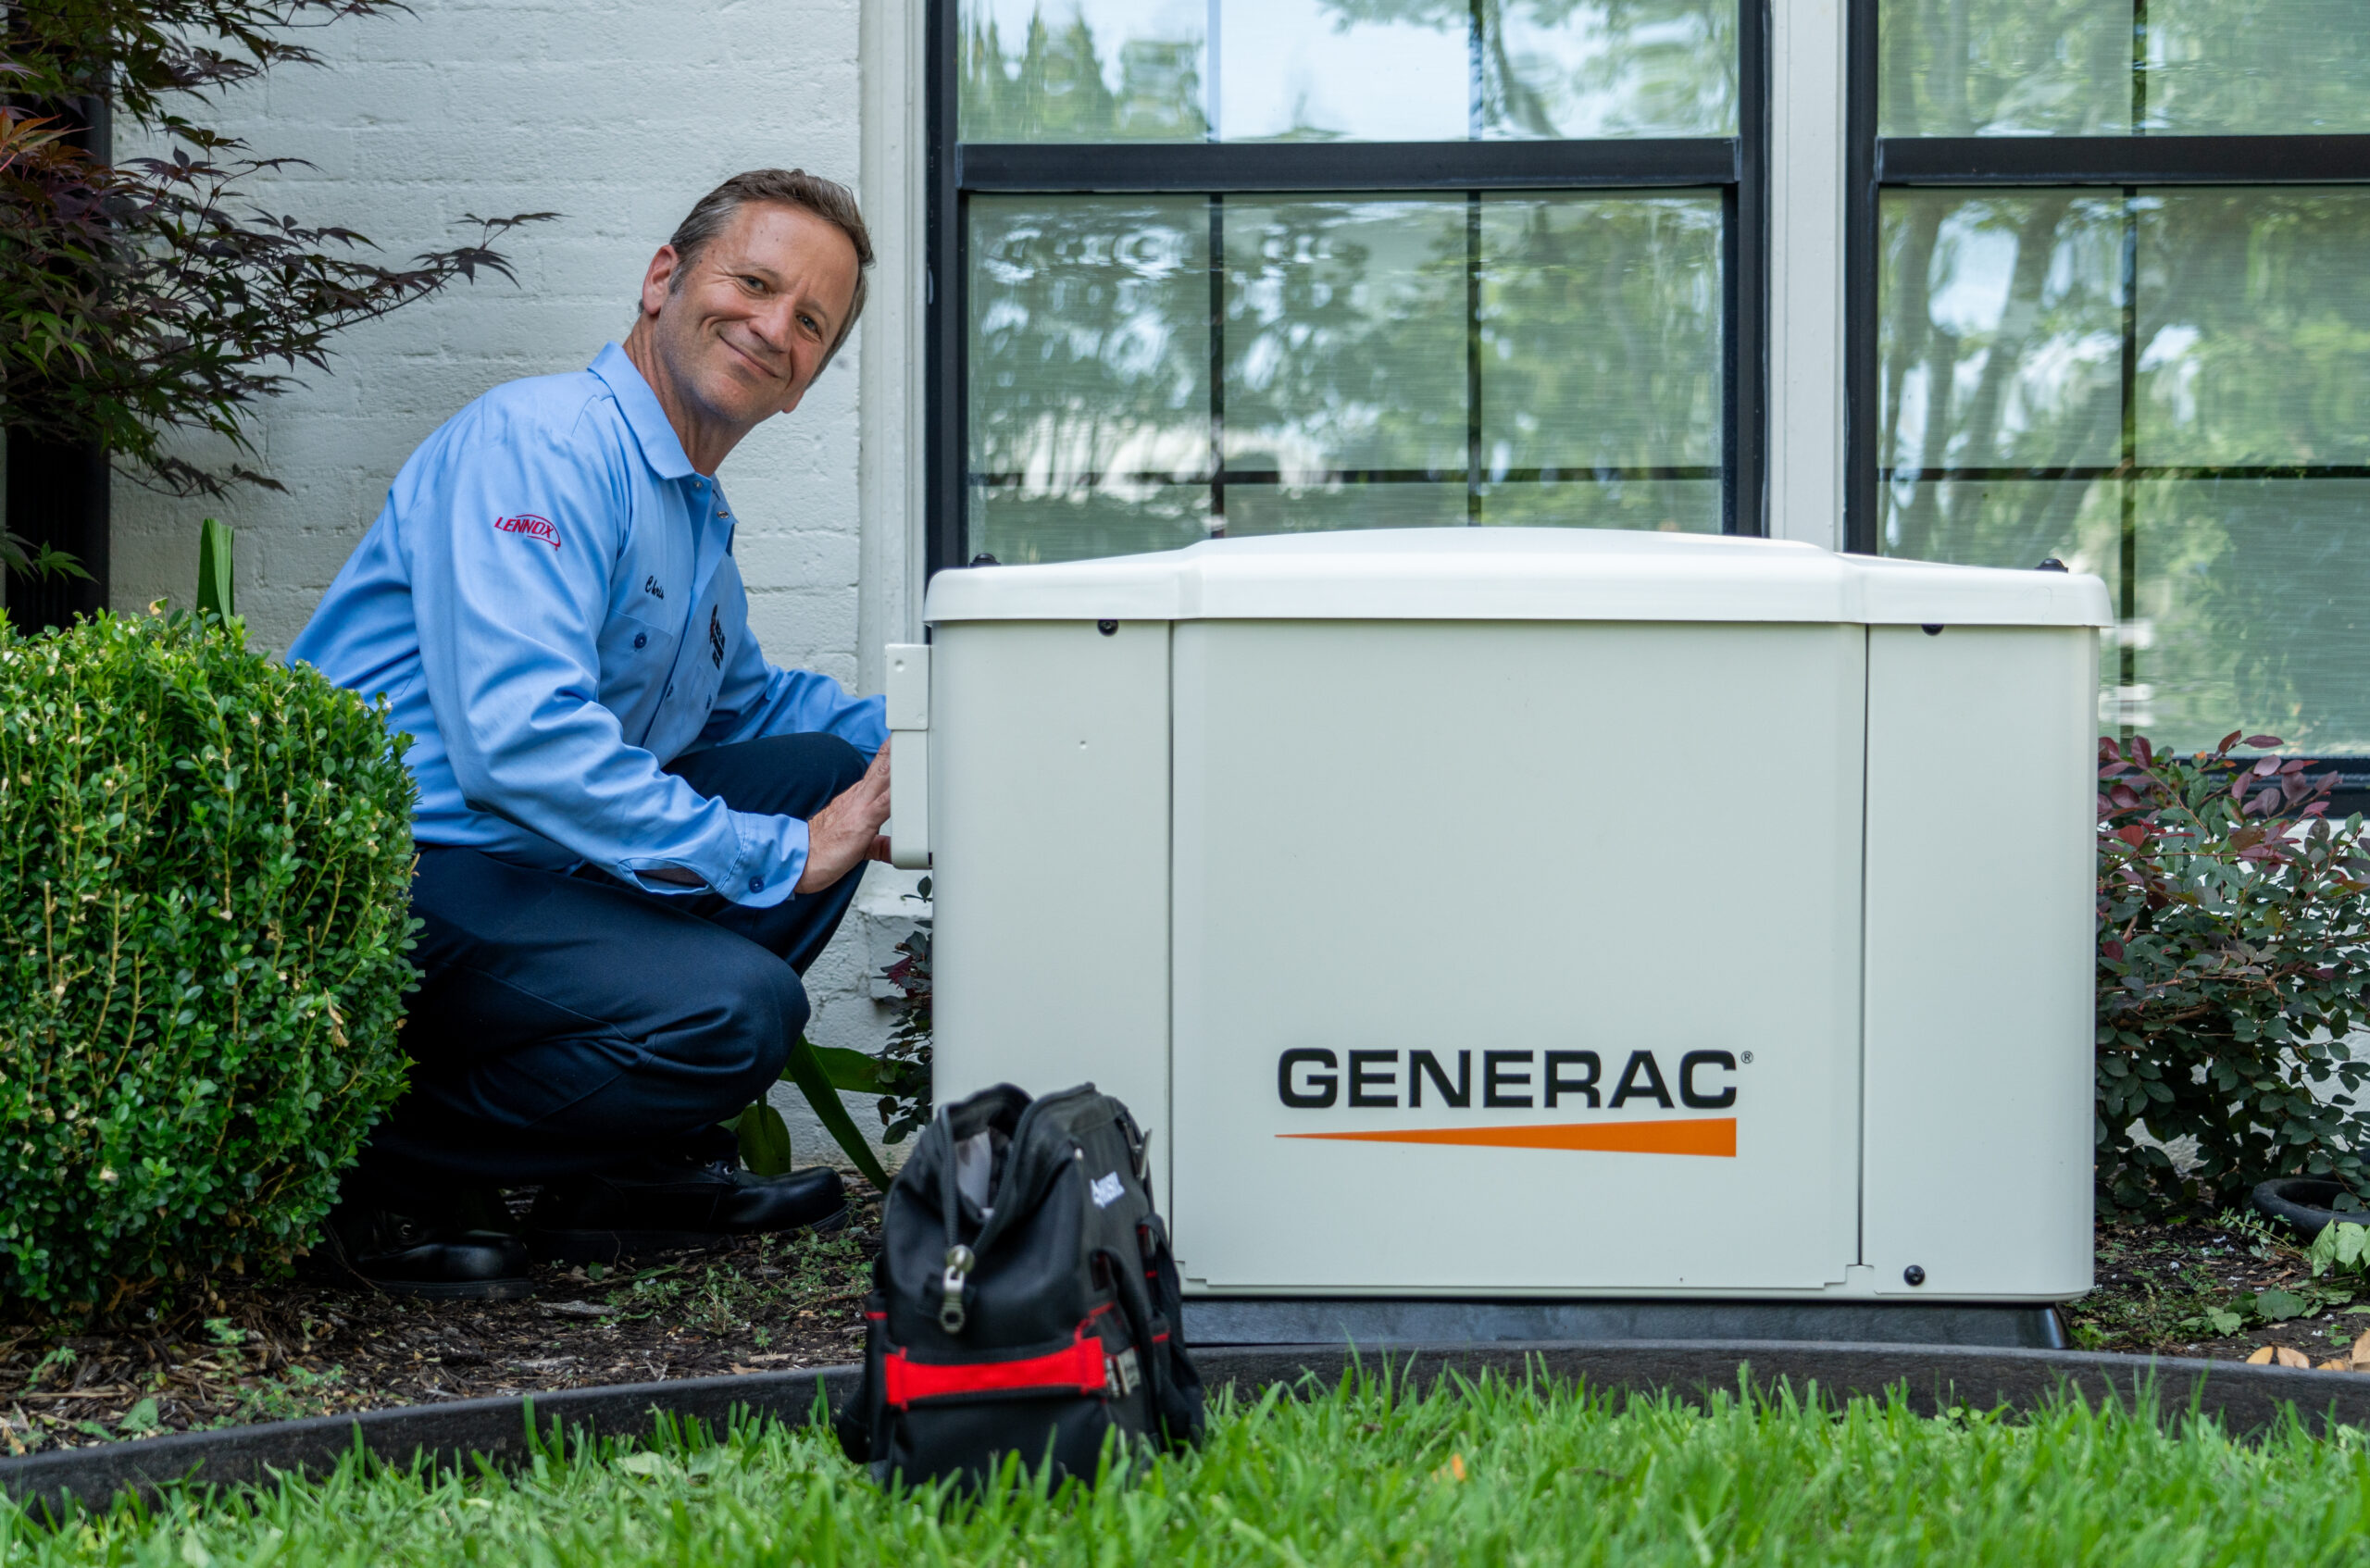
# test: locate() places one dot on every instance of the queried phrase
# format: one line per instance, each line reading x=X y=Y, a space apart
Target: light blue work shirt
x=549 y=602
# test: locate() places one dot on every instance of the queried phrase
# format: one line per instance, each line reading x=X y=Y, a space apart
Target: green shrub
x=204 y=861
x=2232 y=965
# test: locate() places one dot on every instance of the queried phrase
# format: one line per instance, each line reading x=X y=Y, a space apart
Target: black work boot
x=672 y=1204
x=422 y=1247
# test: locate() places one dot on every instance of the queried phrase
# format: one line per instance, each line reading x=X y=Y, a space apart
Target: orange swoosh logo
x=1715 y=1135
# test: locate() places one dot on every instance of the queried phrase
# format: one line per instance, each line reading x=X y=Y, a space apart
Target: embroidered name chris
x=531 y=526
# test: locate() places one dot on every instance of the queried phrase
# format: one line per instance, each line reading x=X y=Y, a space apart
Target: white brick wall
x=617 y=113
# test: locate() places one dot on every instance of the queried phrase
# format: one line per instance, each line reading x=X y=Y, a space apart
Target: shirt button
x=640 y=639
x=756 y=884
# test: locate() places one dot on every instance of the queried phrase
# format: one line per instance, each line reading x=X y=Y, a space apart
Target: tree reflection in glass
x=2168 y=389
x=1126 y=70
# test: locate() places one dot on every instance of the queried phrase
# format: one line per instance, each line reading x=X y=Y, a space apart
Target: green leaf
x=2279 y=1306
x=816 y=1084
x=2223 y=1323
x=214 y=585
x=857 y=1072
x=765 y=1141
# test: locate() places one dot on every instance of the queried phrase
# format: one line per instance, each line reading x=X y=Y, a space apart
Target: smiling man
x=634 y=833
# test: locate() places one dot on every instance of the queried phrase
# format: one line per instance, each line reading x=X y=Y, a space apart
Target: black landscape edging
x=2245 y=1398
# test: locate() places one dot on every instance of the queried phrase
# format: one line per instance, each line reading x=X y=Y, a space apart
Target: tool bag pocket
x=961 y=1417
x=1024 y=1302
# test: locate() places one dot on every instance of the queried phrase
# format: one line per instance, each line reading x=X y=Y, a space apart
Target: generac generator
x=1533 y=914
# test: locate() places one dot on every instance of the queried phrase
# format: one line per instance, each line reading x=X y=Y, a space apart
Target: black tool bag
x=1024 y=1299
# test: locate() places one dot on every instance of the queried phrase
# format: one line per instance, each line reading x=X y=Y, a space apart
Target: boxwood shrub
x=204 y=865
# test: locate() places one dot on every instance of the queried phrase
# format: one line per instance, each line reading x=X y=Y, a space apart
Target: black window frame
x=1875 y=164
x=1735 y=167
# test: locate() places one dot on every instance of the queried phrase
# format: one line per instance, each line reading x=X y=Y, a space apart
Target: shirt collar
x=639 y=405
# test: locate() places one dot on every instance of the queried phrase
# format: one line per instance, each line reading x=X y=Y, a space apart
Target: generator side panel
x=1982 y=778
x=1049 y=829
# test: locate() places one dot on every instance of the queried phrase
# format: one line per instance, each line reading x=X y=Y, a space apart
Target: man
x=634 y=833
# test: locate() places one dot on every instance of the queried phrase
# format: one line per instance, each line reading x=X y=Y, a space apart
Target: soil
x=323 y=1344
x=2191 y=1284
x=2217 y=1286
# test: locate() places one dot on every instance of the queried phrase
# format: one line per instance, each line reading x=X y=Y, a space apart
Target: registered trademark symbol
x=1748 y=1058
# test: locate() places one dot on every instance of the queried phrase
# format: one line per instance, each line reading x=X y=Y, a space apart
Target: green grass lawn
x=1495 y=1473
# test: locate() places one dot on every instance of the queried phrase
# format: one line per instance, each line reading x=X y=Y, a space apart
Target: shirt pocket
x=637 y=652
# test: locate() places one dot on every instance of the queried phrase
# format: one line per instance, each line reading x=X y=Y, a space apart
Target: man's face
x=745 y=330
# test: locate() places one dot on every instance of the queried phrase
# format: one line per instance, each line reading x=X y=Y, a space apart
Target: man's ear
x=658 y=279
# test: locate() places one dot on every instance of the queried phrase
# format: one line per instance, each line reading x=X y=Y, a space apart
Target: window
x=1238 y=267
x=2107 y=255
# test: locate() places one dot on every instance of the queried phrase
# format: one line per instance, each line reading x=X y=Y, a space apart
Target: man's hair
x=827 y=199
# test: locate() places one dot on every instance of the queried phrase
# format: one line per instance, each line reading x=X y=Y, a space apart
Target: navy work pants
x=567 y=1023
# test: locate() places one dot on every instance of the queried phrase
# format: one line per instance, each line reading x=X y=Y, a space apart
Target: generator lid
x=1517 y=574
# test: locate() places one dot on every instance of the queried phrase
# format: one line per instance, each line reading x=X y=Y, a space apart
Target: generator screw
x=1108 y=629
x=1913 y=1274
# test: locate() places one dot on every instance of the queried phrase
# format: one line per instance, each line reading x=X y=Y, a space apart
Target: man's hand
x=846 y=833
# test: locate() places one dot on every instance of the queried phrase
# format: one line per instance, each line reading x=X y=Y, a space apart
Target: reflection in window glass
x=1366 y=70
x=1643 y=67
x=1089 y=374
x=1083 y=70
x=2256 y=610
x=2257 y=68
x=2105 y=68
x=1345 y=337
x=2001 y=336
x=2254 y=327
x=2200 y=447
x=2003 y=68
x=1599 y=334
x=1351 y=337
x=1361 y=71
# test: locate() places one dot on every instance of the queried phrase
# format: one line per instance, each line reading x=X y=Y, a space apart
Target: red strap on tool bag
x=1076 y=1370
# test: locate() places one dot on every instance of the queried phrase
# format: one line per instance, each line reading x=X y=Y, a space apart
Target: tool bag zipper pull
x=950 y=1314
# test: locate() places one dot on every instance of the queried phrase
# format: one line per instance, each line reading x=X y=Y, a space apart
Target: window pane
x=1646 y=68
x=1022 y=524
x=2240 y=573
x=2000 y=338
x=1089 y=369
x=1345 y=336
x=1275 y=508
x=2258 y=67
x=1600 y=334
x=2036 y=68
x=1344 y=69
x=1350 y=335
x=1654 y=505
x=2004 y=68
x=2256 y=596
x=1082 y=70
x=2254 y=327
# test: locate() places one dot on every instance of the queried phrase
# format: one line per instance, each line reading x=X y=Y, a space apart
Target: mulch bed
x=321 y=1344
x=318 y=1345
x=2219 y=1286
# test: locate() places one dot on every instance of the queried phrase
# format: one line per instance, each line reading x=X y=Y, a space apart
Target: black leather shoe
x=407 y=1255
x=659 y=1204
